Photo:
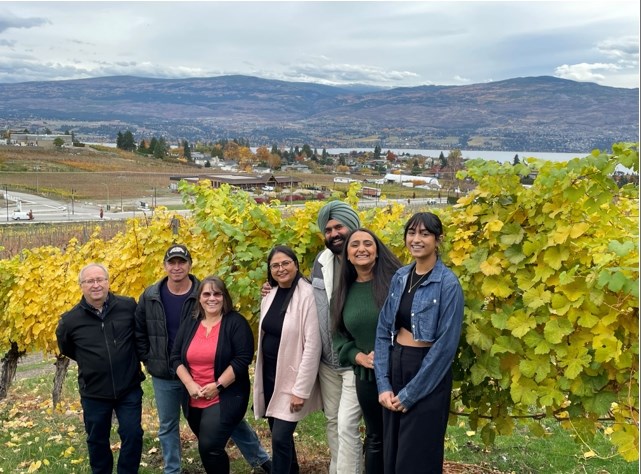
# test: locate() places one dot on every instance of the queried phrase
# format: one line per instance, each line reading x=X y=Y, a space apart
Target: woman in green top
x=366 y=272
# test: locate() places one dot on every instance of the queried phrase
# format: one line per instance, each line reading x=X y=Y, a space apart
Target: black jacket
x=235 y=348
x=105 y=349
x=151 y=328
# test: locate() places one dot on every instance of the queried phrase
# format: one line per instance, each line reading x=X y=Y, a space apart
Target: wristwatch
x=220 y=387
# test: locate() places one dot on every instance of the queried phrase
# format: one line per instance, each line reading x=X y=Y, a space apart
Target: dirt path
x=35 y=365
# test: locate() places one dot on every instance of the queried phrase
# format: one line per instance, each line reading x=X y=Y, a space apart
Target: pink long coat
x=298 y=358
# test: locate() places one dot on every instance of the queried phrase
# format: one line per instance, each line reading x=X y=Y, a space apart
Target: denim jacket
x=437 y=317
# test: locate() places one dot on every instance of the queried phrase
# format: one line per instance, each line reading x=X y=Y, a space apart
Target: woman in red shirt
x=211 y=357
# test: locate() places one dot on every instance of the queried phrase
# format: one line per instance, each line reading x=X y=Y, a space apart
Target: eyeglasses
x=283 y=264
x=216 y=294
x=93 y=281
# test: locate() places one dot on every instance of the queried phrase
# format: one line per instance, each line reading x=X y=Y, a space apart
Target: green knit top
x=360 y=316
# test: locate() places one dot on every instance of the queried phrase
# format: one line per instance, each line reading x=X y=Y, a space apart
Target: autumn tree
x=262 y=154
x=274 y=161
x=231 y=151
x=246 y=158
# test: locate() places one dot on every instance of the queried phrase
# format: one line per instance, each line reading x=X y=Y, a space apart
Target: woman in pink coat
x=289 y=348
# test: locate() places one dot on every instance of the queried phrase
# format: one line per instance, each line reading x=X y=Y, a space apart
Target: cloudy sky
x=384 y=43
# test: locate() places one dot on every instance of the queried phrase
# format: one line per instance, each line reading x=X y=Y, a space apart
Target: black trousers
x=97 y=414
x=414 y=442
x=284 y=460
x=367 y=394
x=212 y=436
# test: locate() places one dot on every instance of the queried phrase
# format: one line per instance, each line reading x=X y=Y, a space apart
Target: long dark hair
x=219 y=284
x=384 y=268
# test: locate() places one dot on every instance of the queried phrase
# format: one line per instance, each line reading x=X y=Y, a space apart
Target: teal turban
x=340 y=211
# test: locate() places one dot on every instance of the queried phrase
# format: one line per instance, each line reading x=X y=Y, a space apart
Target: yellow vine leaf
x=536 y=297
x=491 y=266
x=579 y=229
x=496 y=286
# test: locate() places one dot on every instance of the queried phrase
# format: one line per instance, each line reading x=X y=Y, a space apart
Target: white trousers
x=343 y=414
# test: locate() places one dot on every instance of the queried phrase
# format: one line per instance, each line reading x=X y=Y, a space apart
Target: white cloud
x=380 y=43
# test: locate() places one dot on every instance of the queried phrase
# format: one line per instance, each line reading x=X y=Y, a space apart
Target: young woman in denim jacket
x=416 y=341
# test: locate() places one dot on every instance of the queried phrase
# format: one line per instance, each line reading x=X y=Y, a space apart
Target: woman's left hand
x=296 y=404
x=208 y=392
x=366 y=360
x=397 y=405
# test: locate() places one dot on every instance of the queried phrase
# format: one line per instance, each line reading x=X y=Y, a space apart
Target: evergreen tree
x=128 y=142
x=152 y=145
x=275 y=150
x=217 y=152
x=416 y=168
x=160 y=150
x=186 y=150
x=443 y=160
x=307 y=150
x=377 y=152
x=516 y=160
x=119 y=140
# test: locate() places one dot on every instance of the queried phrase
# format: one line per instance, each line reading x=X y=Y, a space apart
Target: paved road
x=49 y=210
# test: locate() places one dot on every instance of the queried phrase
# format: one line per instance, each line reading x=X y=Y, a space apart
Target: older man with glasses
x=99 y=334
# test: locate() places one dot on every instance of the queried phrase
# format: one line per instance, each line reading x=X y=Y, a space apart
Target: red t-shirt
x=201 y=355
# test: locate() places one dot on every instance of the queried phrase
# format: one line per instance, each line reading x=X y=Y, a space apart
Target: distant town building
x=32 y=139
x=245 y=182
x=340 y=179
x=407 y=179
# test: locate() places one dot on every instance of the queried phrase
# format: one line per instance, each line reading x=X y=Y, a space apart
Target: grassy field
x=36 y=438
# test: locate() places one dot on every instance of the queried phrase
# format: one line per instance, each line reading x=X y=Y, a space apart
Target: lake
x=501 y=156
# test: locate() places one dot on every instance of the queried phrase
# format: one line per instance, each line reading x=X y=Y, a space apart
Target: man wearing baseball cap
x=343 y=413
x=161 y=309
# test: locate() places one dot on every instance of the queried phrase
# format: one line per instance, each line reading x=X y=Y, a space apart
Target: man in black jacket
x=161 y=309
x=99 y=334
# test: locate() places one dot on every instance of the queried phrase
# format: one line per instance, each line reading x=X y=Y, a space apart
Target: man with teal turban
x=340 y=404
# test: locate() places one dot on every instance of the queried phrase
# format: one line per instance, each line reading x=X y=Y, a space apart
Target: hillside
x=535 y=113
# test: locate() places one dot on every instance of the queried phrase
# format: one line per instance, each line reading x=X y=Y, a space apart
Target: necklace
x=412 y=286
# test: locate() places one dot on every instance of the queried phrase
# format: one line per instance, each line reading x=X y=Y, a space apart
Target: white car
x=20 y=216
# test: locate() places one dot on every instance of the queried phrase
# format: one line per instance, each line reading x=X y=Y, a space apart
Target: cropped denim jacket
x=437 y=317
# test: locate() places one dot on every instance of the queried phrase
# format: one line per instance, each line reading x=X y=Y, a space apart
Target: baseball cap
x=179 y=251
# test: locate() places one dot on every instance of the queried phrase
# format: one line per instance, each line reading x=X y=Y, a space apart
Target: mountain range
x=544 y=114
